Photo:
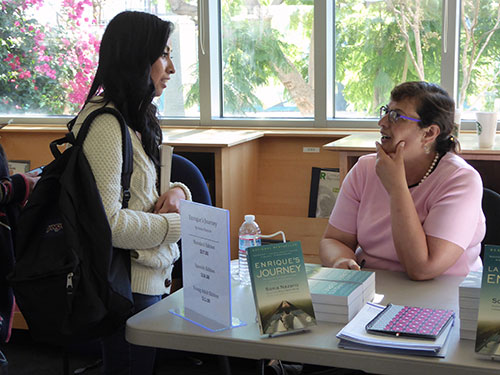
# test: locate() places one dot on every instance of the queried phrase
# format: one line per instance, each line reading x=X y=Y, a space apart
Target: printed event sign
x=206 y=265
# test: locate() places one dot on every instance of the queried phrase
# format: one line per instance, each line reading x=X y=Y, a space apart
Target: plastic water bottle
x=249 y=235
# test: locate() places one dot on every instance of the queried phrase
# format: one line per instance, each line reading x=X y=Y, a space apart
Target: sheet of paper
x=205 y=264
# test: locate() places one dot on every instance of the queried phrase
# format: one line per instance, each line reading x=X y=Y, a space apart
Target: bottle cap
x=249 y=218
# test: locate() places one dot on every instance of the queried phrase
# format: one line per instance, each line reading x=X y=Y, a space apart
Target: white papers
x=166 y=152
x=355 y=332
x=205 y=264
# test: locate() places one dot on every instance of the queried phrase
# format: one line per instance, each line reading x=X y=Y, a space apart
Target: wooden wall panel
x=306 y=230
x=284 y=188
x=285 y=173
x=239 y=181
x=32 y=146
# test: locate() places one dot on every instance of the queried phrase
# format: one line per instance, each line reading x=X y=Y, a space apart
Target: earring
x=427 y=149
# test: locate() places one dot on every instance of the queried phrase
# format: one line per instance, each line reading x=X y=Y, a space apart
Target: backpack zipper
x=69 y=283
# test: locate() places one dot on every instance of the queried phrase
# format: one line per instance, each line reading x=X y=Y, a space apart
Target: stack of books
x=468 y=293
x=337 y=294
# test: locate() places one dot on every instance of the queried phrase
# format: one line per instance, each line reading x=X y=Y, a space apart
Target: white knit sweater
x=153 y=237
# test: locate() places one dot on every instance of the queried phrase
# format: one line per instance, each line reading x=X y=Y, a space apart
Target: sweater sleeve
x=131 y=229
x=14 y=190
x=184 y=188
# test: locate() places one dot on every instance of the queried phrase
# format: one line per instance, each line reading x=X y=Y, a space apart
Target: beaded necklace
x=429 y=171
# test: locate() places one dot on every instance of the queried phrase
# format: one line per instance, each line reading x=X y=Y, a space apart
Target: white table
x=157 y=327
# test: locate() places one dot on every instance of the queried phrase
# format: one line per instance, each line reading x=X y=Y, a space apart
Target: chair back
x=185 y=171
x=491 y=210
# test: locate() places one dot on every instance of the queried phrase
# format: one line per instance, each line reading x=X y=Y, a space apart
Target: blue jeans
x=121 y=358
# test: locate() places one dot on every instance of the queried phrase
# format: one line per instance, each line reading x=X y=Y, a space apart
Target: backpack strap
x=126 y=151
x=68 y=138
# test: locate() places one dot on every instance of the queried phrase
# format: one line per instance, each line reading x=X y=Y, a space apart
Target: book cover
x=280 y=289
x=335 y=292
x=488 y=324
x=325 y=187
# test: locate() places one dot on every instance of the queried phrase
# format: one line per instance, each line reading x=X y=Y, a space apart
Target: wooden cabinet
x=262 y=172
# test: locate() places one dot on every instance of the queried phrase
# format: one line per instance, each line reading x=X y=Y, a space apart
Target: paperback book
x=470 y=287
x=317 y=272
x=365 y=278
x=488 y=324
x=280 y=289
x=335 y=292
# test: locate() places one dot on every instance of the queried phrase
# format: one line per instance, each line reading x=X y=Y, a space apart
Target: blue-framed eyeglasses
x=393 y=115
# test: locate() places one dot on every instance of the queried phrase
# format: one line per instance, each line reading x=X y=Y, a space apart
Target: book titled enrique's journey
x=280 y=288
x=488 y=323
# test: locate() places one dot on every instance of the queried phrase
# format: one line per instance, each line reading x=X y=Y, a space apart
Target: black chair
x=185 y=171
x=491 y=209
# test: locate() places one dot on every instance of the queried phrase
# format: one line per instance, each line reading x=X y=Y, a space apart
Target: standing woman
x=414 y=206
x=134 y=67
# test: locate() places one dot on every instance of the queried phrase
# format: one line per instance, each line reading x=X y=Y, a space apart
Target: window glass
x=380 y=44
x=50 y=53
x=479 y=68
x=267 y=58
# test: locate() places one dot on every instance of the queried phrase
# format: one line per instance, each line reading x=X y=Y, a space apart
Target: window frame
x=210 y=75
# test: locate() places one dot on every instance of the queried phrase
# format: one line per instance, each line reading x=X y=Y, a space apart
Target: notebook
x=419 y=322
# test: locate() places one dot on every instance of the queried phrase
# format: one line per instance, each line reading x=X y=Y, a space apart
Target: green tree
x=46 y=69
x=376 y=48
x=480 y=51
x=28 y=67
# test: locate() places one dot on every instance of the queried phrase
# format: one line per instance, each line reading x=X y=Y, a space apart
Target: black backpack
x=70 y=283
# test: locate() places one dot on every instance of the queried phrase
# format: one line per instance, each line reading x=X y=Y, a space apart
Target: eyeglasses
x=393 y=115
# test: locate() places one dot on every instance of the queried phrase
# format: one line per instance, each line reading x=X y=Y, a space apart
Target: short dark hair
x=130 y=45
x=433 y=106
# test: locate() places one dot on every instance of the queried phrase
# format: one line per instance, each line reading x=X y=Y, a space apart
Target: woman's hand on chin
x=390 y=168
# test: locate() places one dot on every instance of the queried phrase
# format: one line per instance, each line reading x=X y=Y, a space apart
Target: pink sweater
x=448 y=204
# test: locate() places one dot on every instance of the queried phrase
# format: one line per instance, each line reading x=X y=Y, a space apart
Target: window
x=380 y=44
x=50 y=53
x=479 y=79
x=301 y=63
x=267 y=63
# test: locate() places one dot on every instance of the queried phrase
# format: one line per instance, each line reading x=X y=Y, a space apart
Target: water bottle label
x=248 y=241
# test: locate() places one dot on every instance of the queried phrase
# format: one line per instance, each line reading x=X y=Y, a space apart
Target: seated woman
x=414 y=206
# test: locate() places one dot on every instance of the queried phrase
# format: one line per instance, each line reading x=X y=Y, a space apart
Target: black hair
x=131 y=43
x=433 y=106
